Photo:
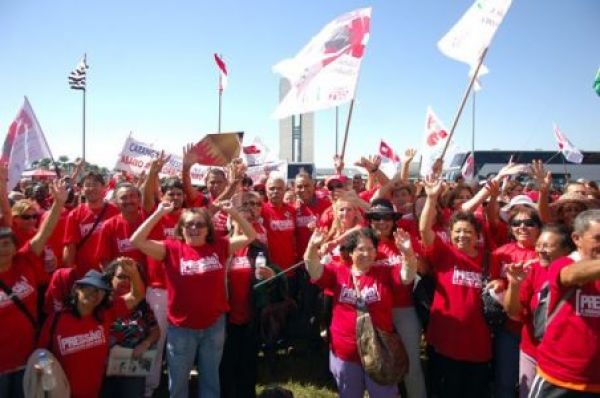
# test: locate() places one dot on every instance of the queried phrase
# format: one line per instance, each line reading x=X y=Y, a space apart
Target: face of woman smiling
x=195 y=229
x=364 y=254
x=464 y=236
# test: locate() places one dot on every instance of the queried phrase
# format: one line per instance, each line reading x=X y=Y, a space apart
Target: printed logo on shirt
x=200 y=266
x=80 y=342
x=169 y=232
x=22 y=288
x=466 y=278
x=370 y=294
x=85 y=228
x=305 y=221
x=587 y=305
x=240 y=263
x=282 y=225
x=124 y=245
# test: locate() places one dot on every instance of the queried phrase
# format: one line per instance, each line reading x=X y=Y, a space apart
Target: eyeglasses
x=28 y=217
x=251 y=204
x=195 y=224
x=528 y=222
x=381 y=217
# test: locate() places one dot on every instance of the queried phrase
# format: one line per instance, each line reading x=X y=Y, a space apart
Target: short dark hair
x=351 y=240
x=92 y=175
x=171 y=183
x=564 y=233
x=467 y=217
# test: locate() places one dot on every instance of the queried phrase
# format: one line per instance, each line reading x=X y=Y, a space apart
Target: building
x=296 y=133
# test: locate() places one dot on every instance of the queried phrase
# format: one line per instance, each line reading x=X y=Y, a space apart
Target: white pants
x=157 y=300
x=408 y=327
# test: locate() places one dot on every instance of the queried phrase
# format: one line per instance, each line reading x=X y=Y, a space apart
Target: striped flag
x=78 y=75
x=597 y=82
x=570 y=153
x=222 y=72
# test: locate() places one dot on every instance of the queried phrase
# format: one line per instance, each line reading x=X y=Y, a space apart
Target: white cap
x=519 y=200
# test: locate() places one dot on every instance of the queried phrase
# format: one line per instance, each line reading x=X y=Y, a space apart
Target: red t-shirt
x=389 y=255
x=456 y=327
x=529 y=298
x=165 y=229
x=56 y=239
x=376 y=290
x=280 y=223
x=569 y=354
x=307 y=214
x=79 y=222
x=59 y=288
x=196 y=295
x=17 y=332
x=508 y=254
x=240 y=276
x=81 y=347
x=114 y=240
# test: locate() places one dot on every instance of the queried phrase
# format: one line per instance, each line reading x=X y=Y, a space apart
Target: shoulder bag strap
x=560 y=304
x=53 y=329
x=91 y=231
x=21 y=306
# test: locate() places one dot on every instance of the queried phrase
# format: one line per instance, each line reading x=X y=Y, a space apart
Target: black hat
x=382 y=207
x=95 y=279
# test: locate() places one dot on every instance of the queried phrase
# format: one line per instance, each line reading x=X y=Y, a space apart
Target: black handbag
x=493 y=312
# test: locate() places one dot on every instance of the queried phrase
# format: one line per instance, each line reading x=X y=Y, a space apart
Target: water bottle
x=48 y=379
x=261 y=261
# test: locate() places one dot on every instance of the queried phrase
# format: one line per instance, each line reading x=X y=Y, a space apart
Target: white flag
x=324 y=73
x=24 y=144
x=257 y=153
x=570 y=153
x=474 y=32
x=434 y=141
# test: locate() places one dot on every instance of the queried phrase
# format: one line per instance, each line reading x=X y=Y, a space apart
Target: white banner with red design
x=136 y=157
x=434 y=140
x=324 y=73
x=568 y=150
x=24 y=144
x=389 y=159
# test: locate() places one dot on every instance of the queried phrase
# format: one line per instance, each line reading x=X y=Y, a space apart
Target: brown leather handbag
x=382 y=353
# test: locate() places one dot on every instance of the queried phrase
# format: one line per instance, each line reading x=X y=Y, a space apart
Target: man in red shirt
x=84 y=223
x=309 y=208
x=569 y=354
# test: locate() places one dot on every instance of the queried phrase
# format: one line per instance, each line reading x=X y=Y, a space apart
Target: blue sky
x=152 y=72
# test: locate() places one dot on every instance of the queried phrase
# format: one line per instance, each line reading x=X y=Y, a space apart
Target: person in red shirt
x=114 y=236
x=525 y=226
x=309 y=208
x=457 y=331
x=360 y=283
x=21 y=274
x=80 y=333
x=382 y=218
x=84 y=222
x=238 y=370
x=525 y=280
x=569 y=353
x=195 y=272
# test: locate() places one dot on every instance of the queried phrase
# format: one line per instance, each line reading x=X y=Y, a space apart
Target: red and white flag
x=570 y=153
x=24 y=144
x=257 y=153
x=324 y=73
x=468 y=169
x=387 y=153
x=434 y=141
x=222 y=72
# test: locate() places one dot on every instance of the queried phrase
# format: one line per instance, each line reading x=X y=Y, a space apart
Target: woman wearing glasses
x=525 y=226
x=382 y=220
x=197 y=300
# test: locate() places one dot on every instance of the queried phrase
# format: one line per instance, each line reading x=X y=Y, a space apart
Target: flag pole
x=220 y=104
x=83 y=129
x=473 y=131
x=463 y=102
x=347 y=129
x=337 y=122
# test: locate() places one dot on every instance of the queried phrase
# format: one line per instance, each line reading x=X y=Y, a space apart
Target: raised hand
x=158 y=163
x=164 y=207
x=59 y=191
x=317 y=238
x=409 y=155
x=190 y=157
x=432 y=185
x=403 y=242
x=493 y=187
x=542 y=178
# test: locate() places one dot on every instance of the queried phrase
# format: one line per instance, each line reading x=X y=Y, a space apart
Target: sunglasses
x=195 y=224
x=28 y=217
x=381 y=217
x=527 y=223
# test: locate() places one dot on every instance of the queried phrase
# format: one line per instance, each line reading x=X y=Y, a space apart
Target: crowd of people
x=493 y=287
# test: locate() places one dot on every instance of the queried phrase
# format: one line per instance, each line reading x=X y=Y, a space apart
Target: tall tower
x=296 y=133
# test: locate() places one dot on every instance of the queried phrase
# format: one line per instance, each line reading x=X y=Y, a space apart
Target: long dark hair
x=210 y=237
x=73 y=301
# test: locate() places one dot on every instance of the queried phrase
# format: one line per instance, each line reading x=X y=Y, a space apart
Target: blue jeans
x=11 y=384
x=352 y=380
x=182 y=346
x=506 y=363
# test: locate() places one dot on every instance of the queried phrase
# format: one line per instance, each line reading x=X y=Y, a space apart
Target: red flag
x=387 y=152
x=24 y=144
x=251 y=150
x=218 y=149
x=468 y=169
x=222 y=72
